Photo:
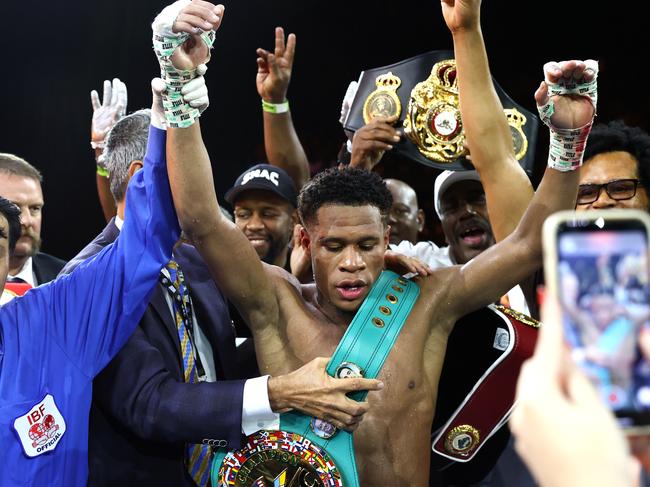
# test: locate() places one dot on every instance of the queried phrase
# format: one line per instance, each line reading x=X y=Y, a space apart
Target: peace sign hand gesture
x=274 y=69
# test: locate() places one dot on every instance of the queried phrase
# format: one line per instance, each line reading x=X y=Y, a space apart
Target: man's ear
x=420 y=219
x=305 y=240
x=387 y=237
x=134 y=167
x=295 y=219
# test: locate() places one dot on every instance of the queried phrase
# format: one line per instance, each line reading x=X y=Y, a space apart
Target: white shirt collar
x=119 y=222
x=27 y=273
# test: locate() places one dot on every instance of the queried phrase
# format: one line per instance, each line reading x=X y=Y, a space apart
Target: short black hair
x=12 y=213
x=617 y=136
x=347 y=186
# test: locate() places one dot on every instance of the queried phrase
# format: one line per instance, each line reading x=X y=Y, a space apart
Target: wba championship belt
x=308 y=451
x=477 y=386
x=427 y=86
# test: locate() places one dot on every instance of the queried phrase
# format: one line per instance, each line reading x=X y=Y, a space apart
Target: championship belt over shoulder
x=478 y=382
x=308 y=451
x=423 y=93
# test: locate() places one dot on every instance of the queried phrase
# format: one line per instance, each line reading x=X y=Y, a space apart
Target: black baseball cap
x=265 y=177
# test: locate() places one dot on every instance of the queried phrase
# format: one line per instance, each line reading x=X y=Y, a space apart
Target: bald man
x=406 y=219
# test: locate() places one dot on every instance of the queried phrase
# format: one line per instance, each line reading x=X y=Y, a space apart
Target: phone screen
x=603 y=286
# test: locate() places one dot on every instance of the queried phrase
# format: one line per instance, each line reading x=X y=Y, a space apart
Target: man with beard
x=264 y=202
x=20 y=183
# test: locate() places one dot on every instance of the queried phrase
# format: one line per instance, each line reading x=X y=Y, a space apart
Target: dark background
x=55 y=52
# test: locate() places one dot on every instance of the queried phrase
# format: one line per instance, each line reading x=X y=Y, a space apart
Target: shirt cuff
x=256 y=409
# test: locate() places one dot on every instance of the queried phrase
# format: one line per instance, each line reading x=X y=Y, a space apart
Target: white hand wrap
x=568 y=145
x=179 y=112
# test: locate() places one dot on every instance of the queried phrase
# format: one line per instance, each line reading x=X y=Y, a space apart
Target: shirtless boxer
x=346 y=234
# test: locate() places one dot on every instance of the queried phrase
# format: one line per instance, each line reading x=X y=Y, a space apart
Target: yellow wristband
x=102 y=171
x=275 y=107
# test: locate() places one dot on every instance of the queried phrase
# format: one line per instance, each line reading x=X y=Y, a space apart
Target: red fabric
x=494 y=397
x=17 y=288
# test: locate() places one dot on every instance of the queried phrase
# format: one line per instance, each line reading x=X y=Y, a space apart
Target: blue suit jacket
x=143 y=413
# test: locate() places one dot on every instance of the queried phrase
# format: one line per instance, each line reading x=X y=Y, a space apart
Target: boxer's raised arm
x=182 y=46
x=569 y=116
x=507 y=188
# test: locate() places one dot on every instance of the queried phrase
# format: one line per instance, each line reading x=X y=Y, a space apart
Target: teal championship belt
x=308 y=451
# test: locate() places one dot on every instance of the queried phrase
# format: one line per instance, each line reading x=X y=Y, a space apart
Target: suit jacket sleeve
x=138 y=390
x=92 y=312
x=46 y=267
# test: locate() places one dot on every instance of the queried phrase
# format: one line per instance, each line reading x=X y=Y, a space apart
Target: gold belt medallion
x=383 y=102
x=278 y=458
x=462 y=440
x=516 y=120
x=433 y=121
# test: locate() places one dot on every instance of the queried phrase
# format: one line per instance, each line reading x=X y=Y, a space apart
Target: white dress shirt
x=26 y=273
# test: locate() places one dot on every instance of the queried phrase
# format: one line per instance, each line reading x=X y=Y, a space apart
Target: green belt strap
x=366 y=344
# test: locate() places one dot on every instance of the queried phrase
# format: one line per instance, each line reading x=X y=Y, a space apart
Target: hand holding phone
x=596 y=265
x=563 y=431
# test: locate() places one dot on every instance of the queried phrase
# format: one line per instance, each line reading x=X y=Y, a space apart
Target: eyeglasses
x=619 y=189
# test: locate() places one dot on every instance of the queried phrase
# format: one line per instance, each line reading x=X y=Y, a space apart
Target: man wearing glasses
x=616 y=169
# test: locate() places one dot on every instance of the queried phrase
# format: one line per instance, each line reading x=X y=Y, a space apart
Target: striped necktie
x=197 y=456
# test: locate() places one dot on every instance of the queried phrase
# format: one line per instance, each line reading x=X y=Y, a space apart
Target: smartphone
x=596 y=263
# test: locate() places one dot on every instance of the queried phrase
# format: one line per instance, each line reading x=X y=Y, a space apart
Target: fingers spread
x=290 y=51
x=94 y=100
x=122 y=98
x=106 y=99
x=279 y=41
x=114 y=90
